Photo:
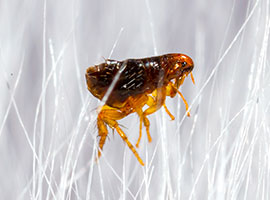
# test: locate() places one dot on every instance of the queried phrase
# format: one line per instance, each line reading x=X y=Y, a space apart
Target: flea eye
x=184 y=64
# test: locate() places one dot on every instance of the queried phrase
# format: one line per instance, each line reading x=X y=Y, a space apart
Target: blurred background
x=48 y=133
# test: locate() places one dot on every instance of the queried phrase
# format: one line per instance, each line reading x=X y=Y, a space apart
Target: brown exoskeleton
x=141 y=82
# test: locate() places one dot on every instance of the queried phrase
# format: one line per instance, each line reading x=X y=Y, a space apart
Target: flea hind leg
x=108 y=116
x=115 y=125
x=103 y=133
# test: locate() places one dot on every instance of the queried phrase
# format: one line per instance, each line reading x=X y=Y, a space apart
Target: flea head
x=180 y=66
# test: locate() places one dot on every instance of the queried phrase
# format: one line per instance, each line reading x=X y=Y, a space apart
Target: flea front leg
x=171 y=91
x=168 y=112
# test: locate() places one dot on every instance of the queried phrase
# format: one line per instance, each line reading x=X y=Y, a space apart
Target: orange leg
x=131 y=147
x=147 y=125
x=154 y=103
x=140 y=113
x=186 y=104
x=138 y=104
x=157 y=102
x=171 y=89
x=102 y=132
x=145 y=121
x=104 y=112
x=115 y=125
x=108 y=116
x=192 y=78
x=168 y=112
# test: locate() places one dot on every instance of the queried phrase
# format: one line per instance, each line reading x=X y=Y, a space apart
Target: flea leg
x=108 y=116
x=186 y=104
x=192 y=78
x=147 y=125
x=138 y=104
x=131 y=147
x=168 y=112
x=171 y=89
x=140 y=113
x=115 y=125
x=154 y=105
x=106 y=112
x=145 y=121
x=102 y=132
x=157 y=102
